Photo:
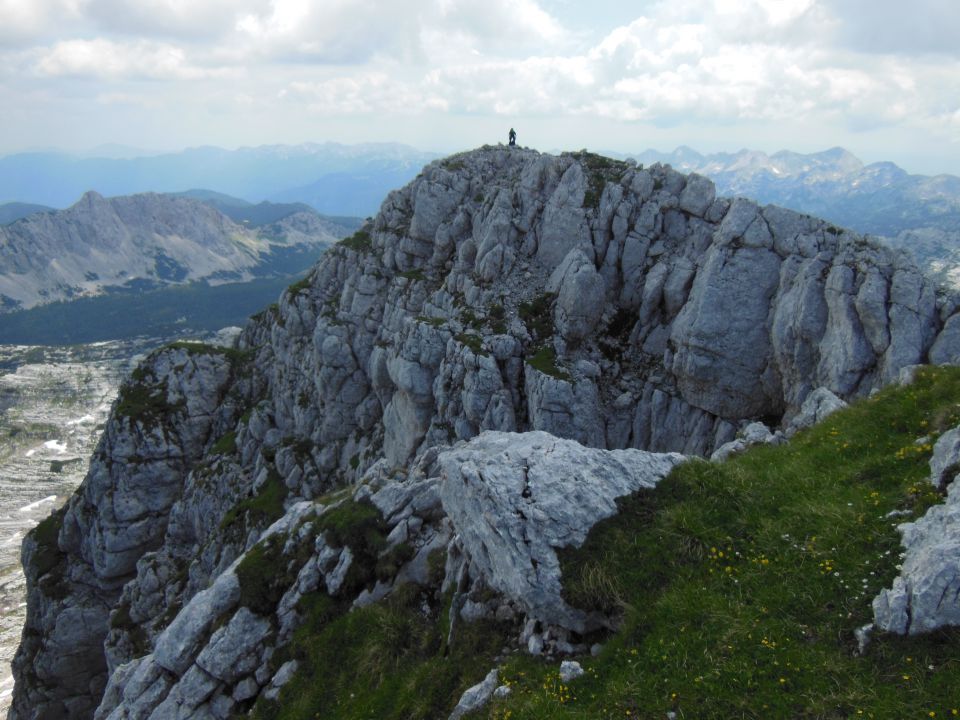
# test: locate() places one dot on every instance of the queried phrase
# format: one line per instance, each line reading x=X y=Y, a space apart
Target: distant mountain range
x=150 y=240
x=333 y=179
x=919 y=213
x=880 y=198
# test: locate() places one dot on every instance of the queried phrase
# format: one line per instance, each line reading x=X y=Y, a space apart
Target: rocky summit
x=456 y=392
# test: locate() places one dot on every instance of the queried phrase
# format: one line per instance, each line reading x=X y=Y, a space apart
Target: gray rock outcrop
x=820 y=404
x=213 y=659
x=515 y=499
x=160 y=427
x=477 y=696
x=926 y=594
x=628 y=309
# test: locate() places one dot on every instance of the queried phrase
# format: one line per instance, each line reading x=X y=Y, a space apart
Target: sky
x=879 y=77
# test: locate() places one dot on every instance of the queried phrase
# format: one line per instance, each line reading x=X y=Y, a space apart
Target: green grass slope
x=740 y=585
x=738 y=588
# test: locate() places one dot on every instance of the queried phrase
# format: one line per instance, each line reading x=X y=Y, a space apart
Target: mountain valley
x=53 y=407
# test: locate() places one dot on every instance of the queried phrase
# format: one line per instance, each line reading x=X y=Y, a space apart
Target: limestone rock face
x=515 y=499
x=926 y=594
x=159 y=428
x=213 y=659
x=581 y=299
x=625 y=308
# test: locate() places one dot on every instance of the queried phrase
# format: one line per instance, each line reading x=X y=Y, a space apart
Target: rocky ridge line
x=501 y=290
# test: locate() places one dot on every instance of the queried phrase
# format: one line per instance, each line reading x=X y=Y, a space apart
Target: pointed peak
x=91 y=197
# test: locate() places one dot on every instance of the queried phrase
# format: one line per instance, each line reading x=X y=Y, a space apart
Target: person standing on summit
x=513 y=137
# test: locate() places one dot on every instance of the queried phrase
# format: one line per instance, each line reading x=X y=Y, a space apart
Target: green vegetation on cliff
x=389 y=661
x=737 y=588
x=739 y=585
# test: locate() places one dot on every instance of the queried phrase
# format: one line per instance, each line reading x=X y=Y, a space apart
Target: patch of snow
x=38 y=503
x=60 y=447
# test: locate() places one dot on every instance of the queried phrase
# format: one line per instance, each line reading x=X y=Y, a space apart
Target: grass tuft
x=262 y=509
x=545 y=361
x=537 y=314
x=226 y=445
x=360 y=242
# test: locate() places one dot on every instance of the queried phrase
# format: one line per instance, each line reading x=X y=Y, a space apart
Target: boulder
x=477 y=696
x=819 y=404
x=514 y=499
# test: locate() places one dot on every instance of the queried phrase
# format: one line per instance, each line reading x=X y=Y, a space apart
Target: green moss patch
x=360 y=242
x=389 y=564
x=265 y=574
x=545 y=361
x=474 y=342
x=143 y=401
x=48 y=563
x=227 y=445
x=299 y=287
x=197 y=348
x=47 y=554
x=357 y=525
x=262 y=509
x=599 y=171
x=537 y=315
x=432 y=321
x=415 y=275
x=738 y=586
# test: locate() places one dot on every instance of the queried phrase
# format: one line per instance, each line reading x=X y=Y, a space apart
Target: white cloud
x=105 y=59
x=184 y=19
x=368 y=93
x=850 y=65
x=354 y=31
x=25 y=21
x=716 y=61
x=918 y=27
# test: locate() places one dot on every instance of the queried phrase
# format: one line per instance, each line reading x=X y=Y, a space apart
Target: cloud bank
x=846 y=66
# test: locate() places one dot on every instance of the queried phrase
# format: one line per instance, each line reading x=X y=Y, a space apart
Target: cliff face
x=501 y=290
x=100 y=243
x=617 y=306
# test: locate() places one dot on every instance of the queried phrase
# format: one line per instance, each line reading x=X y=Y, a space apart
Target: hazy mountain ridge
x=147 y=240
x=880 y=198
x=13 y=211
x=919 y=213
x=356 y=177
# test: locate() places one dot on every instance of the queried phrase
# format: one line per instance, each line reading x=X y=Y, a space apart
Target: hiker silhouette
x=513 y=136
